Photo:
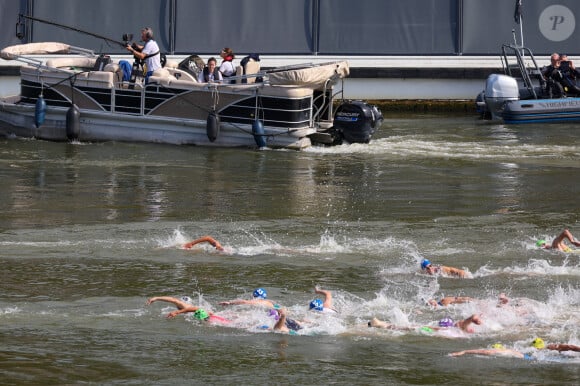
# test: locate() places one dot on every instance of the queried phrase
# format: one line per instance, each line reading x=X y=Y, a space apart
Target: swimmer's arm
x=475 y=352
x=453 y=271
x=206 y=239
x=563 y=347
x=236 y=301
x=173 y=314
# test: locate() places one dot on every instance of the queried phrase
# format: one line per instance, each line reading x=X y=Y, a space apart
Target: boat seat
x=252 y=67
x=81 y=63
x=116 y=70
x=181 y=75
x=171 y=64
x=98 y=79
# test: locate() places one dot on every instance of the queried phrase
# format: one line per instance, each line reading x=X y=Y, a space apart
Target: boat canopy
x=316 y=75
x=46 y=48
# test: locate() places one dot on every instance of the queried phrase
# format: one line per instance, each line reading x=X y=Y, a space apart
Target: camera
x=127 y=38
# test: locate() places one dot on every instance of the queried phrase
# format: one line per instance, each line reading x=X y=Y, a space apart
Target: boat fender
x=73 y=116
x=258 y=132
x=213 y=126
x=39 y=111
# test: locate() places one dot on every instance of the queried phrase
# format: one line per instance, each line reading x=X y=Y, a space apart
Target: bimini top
x=309 y=75
x=45 y=48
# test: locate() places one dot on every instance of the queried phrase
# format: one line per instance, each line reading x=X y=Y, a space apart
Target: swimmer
x=320 y=305
x=559 y=242
x=496 y=350
x=442 y=269
x=184 y=306
x=205 y=239
x=540 y=344
x=260 y=299
x=464 y=325
x=448 y=300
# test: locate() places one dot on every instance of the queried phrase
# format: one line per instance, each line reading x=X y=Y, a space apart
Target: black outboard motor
x=357 y=121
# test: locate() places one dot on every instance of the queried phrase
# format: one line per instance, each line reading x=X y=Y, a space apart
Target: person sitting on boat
x=205 y=239
x=147 y=53
x=568 y=71
x=442 y=269
x=553 y=77
x=227 y=67
x=210 y=72
x=559 y=242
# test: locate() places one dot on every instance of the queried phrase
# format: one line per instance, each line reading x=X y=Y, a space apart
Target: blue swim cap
x=317 y=304
x=446 y=322
x=260 y=293
x=425 y=263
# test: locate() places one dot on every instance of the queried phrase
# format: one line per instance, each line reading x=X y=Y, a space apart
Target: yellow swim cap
x=538 y=343
x=498 y=346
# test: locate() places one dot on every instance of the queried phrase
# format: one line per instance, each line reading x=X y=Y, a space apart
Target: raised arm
x=327 y=297
x=563 y=347
x=205 y=239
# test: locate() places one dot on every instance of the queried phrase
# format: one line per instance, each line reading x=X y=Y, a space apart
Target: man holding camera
x=148 y=53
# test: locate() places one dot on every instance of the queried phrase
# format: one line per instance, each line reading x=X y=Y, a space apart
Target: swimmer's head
x=541 y=243
x=187 y=299
x=426 y=329
x=425 y=264
x=200 y=314
x=498 y=346
x=538 y=343
x=260 y=293
x=446 y=322
x=317 y=305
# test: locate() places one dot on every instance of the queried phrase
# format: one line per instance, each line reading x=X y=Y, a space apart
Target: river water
x=88 y=232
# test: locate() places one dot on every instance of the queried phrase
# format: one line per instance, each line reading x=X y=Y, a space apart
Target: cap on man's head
x=425 y=263
x=317 y=305
x=538 y=343
x=446 y=322
x=260 y=293
x=540 y=243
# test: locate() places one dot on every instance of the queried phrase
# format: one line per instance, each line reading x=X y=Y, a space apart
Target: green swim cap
x=539 y=243
x=200 y=314
x=426 y=329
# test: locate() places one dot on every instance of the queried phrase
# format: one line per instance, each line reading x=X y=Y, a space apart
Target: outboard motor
x=498 y=90
x=357 y=121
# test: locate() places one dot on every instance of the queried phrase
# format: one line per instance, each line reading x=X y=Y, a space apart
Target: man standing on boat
x=148 y=53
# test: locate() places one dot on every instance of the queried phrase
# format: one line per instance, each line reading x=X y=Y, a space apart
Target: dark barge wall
x=303 y=27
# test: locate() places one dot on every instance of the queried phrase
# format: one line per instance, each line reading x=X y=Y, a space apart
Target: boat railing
x=524 y=71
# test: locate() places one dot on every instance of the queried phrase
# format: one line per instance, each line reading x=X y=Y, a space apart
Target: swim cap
x=425 y=263
x=426 y=329
x=273 y=314
x=498 y=346
x=538 y=343
x=317 y=304
x=200 y=314
x=260 y=293
x=186 y=299
x=446 y=322
x=540 y=243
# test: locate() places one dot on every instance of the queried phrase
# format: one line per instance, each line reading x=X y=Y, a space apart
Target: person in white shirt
x=148 y=52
